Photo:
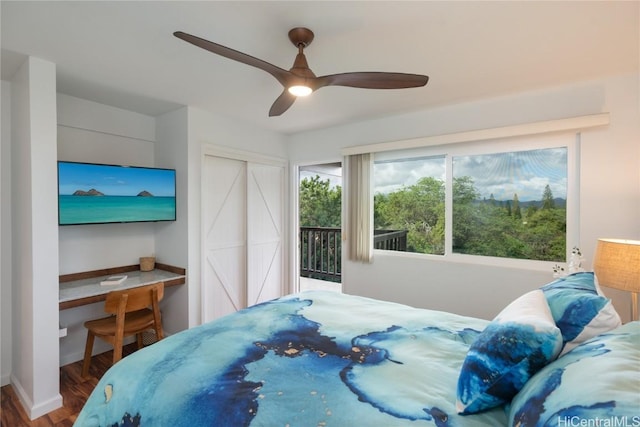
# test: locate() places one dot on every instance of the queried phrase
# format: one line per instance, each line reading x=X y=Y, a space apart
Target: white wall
x=35 y=345
x=5 y=227
x=207 y=128
x=171 y=242
x=610 y=190
x=5 y=235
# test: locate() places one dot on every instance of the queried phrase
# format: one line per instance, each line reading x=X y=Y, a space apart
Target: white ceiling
x=124 y=54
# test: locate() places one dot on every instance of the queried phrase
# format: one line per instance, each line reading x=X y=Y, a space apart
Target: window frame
x=570 y=140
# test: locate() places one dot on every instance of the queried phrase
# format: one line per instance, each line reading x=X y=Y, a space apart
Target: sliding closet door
x=243 y=208
x=224 y=209
x=265 y=201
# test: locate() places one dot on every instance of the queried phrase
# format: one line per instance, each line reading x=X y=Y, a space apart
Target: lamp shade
x=617 y=264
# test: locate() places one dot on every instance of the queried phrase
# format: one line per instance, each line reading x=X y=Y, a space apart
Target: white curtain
x=359 y=207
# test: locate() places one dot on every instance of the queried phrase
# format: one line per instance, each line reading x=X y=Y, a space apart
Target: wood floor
x=74 y=389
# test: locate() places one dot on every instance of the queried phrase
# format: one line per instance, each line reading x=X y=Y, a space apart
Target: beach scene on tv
x=95 y=194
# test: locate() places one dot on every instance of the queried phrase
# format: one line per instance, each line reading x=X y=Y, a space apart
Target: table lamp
x=617 y=265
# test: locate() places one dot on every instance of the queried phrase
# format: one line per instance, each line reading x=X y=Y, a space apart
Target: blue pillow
x=521 y=340
x=579 y=308
x=597 y=380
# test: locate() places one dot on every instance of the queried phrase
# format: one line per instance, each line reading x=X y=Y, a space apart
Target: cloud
x=335 y=178
x=525 y=173
x=390 y=176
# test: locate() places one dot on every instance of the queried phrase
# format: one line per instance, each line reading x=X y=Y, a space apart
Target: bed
x=329 y=359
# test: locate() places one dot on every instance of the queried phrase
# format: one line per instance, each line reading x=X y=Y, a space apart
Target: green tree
x=419 y=209
x=531 y=210
x=486 y=228
x=545 y=233
x=517 y=213
x=465 y=216
x=480 y=226
x=320 y=204
x=547 y=198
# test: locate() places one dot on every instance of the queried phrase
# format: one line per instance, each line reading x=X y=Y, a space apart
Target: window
x=476 y=199
x=408 y=204
x=511 y=205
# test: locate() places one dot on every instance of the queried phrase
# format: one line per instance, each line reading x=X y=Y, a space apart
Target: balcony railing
x=320 y=253
x=390 y=240
x=321 y=250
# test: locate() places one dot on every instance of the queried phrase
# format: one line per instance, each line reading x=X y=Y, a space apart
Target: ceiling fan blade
x=372 y=80
x=300 y=79
x=282 y=103
x=283 y=76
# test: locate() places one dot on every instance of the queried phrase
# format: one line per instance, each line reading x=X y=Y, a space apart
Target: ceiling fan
x=300 y=80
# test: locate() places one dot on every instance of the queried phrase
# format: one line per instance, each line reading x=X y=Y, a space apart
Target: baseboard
x=5 y=380
x=35 y=411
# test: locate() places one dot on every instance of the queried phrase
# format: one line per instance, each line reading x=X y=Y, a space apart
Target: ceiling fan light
x=300 y=90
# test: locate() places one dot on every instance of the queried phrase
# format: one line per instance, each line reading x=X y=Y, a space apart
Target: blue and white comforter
x=327 y=359
x=311 y=359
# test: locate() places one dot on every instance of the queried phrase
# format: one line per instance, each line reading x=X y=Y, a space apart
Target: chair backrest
x=136 y=298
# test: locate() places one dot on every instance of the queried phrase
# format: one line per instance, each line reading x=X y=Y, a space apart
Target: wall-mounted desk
x=84 y=288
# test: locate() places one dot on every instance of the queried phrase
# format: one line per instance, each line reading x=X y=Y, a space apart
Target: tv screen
x=91 y=193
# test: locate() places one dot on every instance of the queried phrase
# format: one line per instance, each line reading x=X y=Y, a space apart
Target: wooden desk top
x=84 y=288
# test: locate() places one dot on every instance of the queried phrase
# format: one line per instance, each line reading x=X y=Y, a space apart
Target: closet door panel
x=265 y=222
x=224 y=198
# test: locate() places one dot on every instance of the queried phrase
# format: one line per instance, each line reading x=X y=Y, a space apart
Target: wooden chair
x=133 y=311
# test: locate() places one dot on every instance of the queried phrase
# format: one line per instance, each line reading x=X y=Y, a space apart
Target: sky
x=390 y=176
x=525 y=173
x=115 y=180
x=331 y=172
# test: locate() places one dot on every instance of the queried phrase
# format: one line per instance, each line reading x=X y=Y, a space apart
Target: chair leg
x=159 y=332
x=140 y=343
x=87 y=354
x=117 y=349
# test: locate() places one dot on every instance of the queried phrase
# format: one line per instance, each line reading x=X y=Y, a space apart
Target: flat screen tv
x=90 y=193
